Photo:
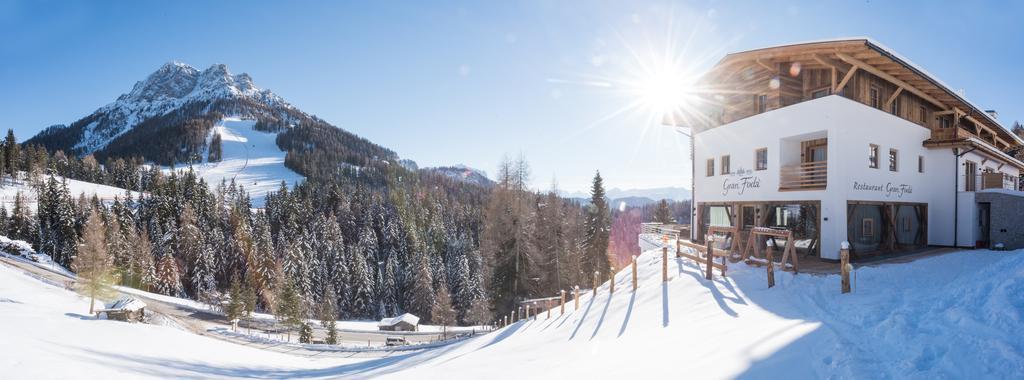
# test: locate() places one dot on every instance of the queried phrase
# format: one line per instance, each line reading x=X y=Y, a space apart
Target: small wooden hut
x=126 y=308
x=404 y=322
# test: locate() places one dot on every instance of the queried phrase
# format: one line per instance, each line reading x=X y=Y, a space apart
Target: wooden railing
x=947 y=134
x=806 y=176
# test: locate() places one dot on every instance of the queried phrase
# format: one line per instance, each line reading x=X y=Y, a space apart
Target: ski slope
x=250 y=157
x=952 y=316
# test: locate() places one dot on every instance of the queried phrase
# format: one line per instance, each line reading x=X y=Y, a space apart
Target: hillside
x=954 y=316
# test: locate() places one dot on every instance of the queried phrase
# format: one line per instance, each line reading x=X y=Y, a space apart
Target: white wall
x=850 y=127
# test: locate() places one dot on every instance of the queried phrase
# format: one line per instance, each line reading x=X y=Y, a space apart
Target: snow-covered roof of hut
x=125 y=303
x=407 y=318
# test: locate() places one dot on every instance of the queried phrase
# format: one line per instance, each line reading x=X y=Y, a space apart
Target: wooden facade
x=748 y=83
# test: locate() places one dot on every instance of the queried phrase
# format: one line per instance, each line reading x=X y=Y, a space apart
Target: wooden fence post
x=527 y=313
x=844 y=266
x=596 y=274
x=549 y=314
x=771 y=267
x=679 y=249
x=664 y=264
x=611 y=283
x=709 y=261
x=634 y=273
x=576 y=296
x=562 y=311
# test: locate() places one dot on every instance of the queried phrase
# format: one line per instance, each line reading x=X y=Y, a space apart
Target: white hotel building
x=844 y=140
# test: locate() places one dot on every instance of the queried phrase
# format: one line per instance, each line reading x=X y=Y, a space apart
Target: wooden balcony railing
x=806 y=176
x=947 y=134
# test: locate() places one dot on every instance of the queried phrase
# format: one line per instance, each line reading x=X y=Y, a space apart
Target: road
x=201 y=322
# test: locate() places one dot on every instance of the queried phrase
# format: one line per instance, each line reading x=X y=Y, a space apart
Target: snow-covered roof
x=125 y=303
x=407 y=318
x=892 y=54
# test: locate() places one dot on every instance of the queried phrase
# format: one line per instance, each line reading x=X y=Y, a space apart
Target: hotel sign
x=740 y=183
x=889 y=189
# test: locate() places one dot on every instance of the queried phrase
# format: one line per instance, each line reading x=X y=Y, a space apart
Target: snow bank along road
x=954 y=316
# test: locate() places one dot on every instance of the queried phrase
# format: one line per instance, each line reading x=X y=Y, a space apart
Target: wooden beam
x=846 y=79
x=890 y=78
x=892 y=98
x=943 y=113
x=766 y=66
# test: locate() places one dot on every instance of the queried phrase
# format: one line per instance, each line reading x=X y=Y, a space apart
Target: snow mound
x=250 y=157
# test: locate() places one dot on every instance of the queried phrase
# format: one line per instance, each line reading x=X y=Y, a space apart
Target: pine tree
x=332 y=332
x=328 y=310
x=597 y=229
x=442 y=313
x=215 y=149
x=236 y=304
x=12 y=151
x=305 y=333
x=168 y=279
x=93 y=265
x=361 y=301
x=288 y=310
x=143 y=266
x=663 y=214
x=479 y=314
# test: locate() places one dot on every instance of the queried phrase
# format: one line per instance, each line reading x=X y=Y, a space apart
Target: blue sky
x=466 y=82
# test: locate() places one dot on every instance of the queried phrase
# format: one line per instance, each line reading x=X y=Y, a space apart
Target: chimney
x=993 y=114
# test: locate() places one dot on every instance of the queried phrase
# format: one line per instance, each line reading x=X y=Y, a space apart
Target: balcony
x=805 y=176
x=998 y=181
x=950 y=134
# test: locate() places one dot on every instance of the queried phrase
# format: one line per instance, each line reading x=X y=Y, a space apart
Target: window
x=944 y=122
x=920 y=164
x=970 y=175
x=873 y=156
x=821 y=93
x=867 y=227
x=760 y=103
x=873 y=97
x=761 y=159
x=923 y=113
x=725 y=165
x=896 y=107
x=711 y=167
x=892 y=159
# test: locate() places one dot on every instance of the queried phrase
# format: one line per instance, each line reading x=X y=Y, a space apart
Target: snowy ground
x=11 y=188
x=953 y=316
x=250 y=157
x=47 y=334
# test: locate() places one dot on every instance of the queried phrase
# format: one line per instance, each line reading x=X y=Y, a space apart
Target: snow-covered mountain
x=174 y=85
x=464 y=173
x=654 y=194
x=166 y=117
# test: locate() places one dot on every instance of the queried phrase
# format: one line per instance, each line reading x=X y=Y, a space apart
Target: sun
x=665 y=91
